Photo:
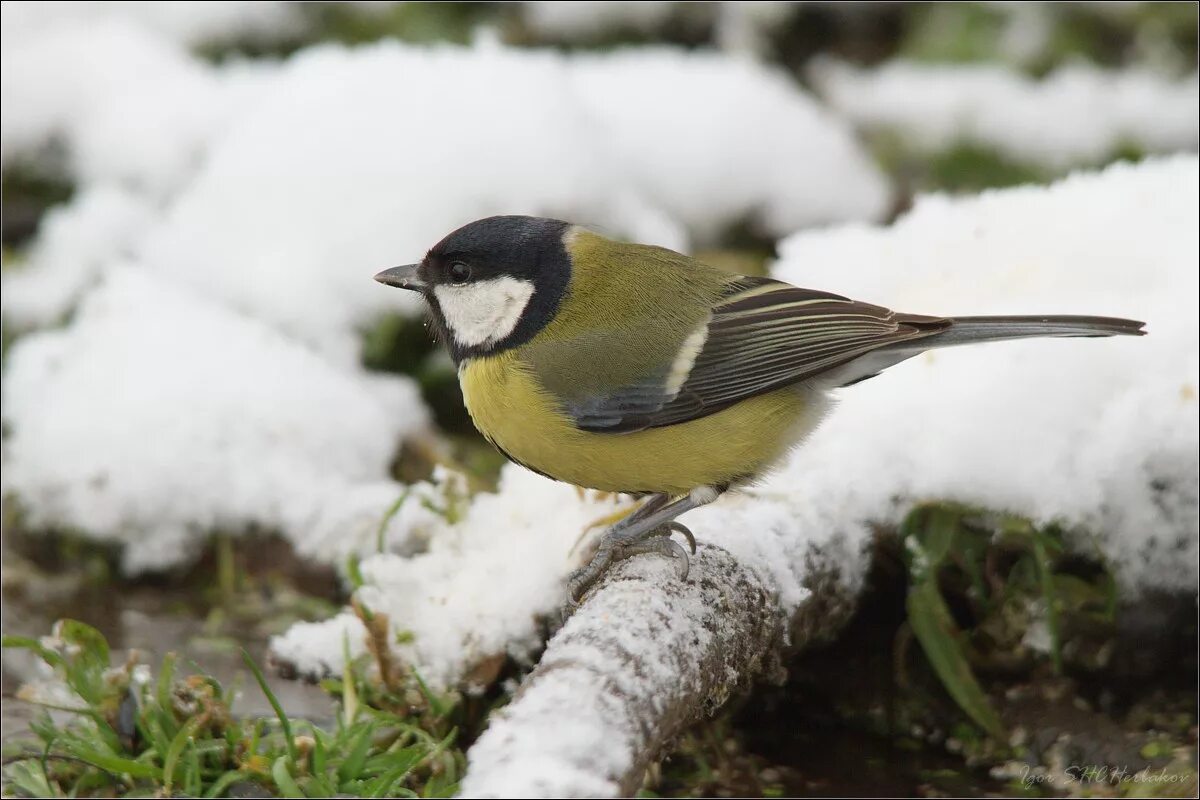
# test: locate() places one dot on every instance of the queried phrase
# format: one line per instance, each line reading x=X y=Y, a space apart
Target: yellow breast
x=512 y=410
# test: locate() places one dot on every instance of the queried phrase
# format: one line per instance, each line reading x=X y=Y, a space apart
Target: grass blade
x=29 y=643
x=435 y=705
x=409 y=759
x=381 y=533
x=171 y=759
x=352 y=767
x=1046 y=577
x=283 y=778
x=935 y=630
x=274 y=701
x=112 y=763
x=218 y=787
x=349 y=688
x=166 y=679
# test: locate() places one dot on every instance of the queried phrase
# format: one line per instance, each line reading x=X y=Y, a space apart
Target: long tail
x=968 y=330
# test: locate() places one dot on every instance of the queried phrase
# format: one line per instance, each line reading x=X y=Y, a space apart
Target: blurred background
x=210 y=410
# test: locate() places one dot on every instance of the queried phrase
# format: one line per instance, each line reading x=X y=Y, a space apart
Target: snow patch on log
x=645 y=656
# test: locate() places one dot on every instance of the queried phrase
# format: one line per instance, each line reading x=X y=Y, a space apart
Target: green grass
x=1003 y=576
x=130 y=733
x=961 y=33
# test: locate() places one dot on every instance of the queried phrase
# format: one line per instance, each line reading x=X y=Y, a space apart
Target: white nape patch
x=681 y=367
x=483 y=312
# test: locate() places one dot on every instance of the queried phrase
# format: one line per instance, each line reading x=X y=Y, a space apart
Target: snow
x=156 y=416
x=559 y=755
x=1079 y=114
x=342 y=161
x=484 y=581
x=417 y=166
x=254 y=202
x=381 y=133
x=778 y=157
x=125 y=104
x=625 y=672
x=75 y=241
x=213 y=273
x=476 y=590
x=1098 y=434
x=320 y=648
x=189 y=22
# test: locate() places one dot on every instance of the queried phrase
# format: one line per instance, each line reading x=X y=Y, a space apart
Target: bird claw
x=582 y=579
x=646 y=530
x=658 y=542
x=680 y=528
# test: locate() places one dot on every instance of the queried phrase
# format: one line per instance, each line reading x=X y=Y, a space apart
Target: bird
x=636 y=369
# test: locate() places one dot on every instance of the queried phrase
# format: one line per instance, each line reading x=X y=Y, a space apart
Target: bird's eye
x=459 y=272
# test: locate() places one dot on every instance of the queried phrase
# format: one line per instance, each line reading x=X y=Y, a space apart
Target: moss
x=963 y=167
x=396 y=343
x=981 y=33
x=968 y=167
x=954 y=32
x=27 y=189
x=356 y=24
x=410 y=22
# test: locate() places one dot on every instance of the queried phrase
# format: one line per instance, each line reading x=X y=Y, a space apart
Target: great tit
x=635 y=369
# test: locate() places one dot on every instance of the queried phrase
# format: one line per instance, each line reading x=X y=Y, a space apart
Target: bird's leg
x=624 y=516
x=653 y=503
x=632 y=535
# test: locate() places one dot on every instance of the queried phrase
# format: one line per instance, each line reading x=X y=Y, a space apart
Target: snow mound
x=156 y=417
x=188 y=22
x=356 y=160
x=276 y=189
x=75 y=241
x=123 y=103
x=475 y=592
x=1099 y=434
x=715 y=140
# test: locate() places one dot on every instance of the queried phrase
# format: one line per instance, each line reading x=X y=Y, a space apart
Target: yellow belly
x=512 y=410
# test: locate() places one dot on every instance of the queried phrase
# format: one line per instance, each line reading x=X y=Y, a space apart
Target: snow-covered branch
x=645 y=656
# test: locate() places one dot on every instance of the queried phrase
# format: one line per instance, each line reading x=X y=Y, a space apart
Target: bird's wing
x=762 y=335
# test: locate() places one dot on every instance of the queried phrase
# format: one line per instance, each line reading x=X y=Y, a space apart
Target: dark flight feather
x=765 y=334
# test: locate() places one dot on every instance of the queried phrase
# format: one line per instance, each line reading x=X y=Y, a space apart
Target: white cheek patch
x=483 y=312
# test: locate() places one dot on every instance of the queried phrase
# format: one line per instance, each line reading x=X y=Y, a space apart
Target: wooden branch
x=645 y=656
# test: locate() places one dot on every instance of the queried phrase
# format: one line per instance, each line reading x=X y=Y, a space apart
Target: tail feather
x=967 y=330
x=970 y=330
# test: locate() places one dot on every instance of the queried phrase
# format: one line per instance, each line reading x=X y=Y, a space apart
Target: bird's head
x=491 y=284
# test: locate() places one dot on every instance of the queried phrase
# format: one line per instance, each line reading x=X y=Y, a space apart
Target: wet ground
x=186 y=612
x=858 y=716
x=864 y=716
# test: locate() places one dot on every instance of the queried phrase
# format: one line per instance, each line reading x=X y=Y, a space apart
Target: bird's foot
x=613 y=519
x=616 y=547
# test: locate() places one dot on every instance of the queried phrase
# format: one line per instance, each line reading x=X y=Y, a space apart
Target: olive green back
x=627 y=311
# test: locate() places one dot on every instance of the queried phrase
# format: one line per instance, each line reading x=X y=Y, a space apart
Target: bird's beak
x=404 y=277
